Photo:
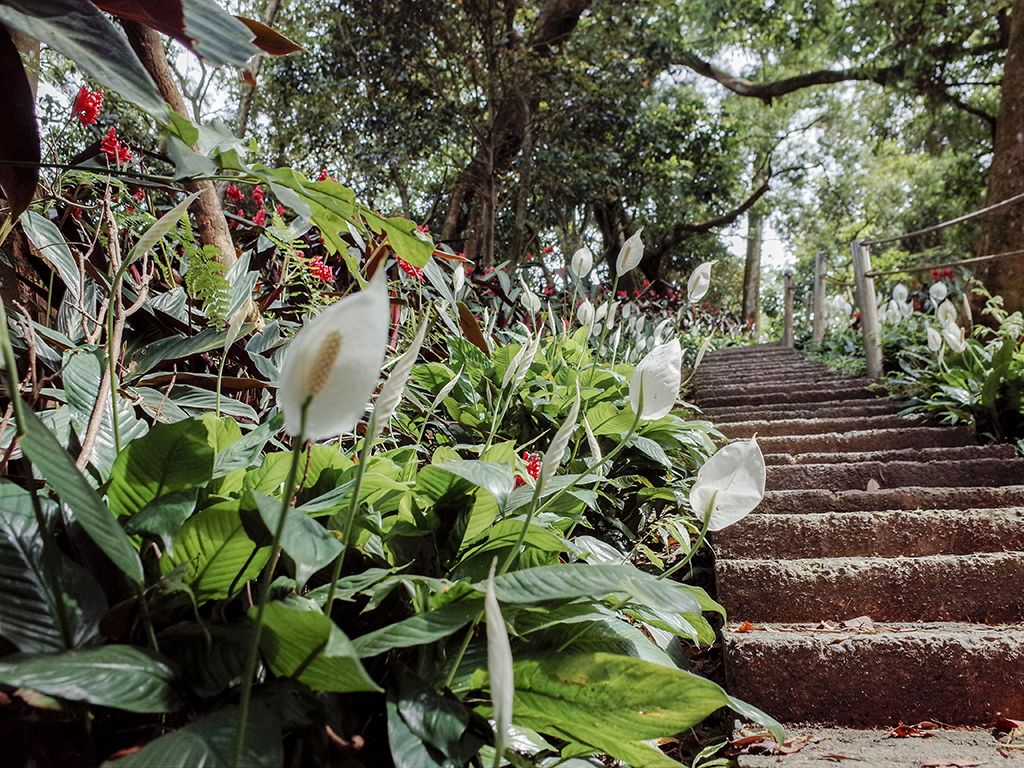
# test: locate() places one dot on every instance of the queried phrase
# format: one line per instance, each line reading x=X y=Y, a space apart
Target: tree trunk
x=1003 y=231
x=752 y=272
x=210 y=223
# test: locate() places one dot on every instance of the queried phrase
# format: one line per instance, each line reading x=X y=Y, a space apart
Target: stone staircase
x=867 y=514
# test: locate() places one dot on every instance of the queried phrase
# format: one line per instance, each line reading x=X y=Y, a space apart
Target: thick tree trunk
x=752 y=272
x=1004 y=230
x=207 y=210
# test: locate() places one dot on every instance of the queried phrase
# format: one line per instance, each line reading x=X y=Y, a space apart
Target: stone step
x=753 y=351
x=855 y=439
x=759 y=386
x=901 y=673
x=819 y=427
x=926 y=745
x=831 y=409
x=898 y=454
x=796 y=396
x=909 y=498
x=894 y=474
x=889 y=533
x=979 y=587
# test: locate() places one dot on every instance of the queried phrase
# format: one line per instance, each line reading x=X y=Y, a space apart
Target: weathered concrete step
x=982 y=587
x=710 y=369
x=827 y=747
x=893 y=474
x=889 y=533
x=902 y=673
x=1004 y=451
x=757 y=385
x=909 y=498
x=854 y=438
x=819 y=427
x=796 y=396
x=825 y=409
x=753 y=351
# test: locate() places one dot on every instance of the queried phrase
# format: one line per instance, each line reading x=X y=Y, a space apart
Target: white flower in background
x=458 y=279
x=627 y=310
x=585 y=312
x=899 y=293
x=334 y=362
x=700 y=281
x=954 y=337
x=641 y=344
x=661 y=330
x=616 y=336
x=629 y=254
x=516 y=371
x=937 y=292
x=610 y=320
x=839 y=311
x=530 y=300
x=906 y=308
x=892 y=312
x=729 y=485
x=946 y=312
x=601 y=312
x=391 y=393
x=658 y=376
x=934 y=339
x=553 y=455
x=582 y=262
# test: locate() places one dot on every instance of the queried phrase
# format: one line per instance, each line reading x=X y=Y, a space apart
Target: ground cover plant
x=212 y=555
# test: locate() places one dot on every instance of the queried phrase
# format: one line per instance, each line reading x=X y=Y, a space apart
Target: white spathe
x=530 y=300
x=934 y=339
x=729 y=485
x=499 y=665
x=899 y=292
x=458 y=279
x=334 y=362
x=629 y=254
x=582 y=262
x=585 y=312
x=954 y=337
x=700 y=281
x=553 y=455
x=938 y=292
x=393 y=389
x=946 y=312
x=659 y=375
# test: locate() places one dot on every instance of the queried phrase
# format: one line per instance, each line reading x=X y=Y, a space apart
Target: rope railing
x=944 y=224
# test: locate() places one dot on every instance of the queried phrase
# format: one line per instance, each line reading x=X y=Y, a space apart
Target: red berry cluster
x=410 y=270
x=937 y=273
x=533 y=465
x=321 y=270
x=114 y=149
x=87 y=105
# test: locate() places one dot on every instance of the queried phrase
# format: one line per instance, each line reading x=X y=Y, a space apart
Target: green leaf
x=613 y=703
x=164 y=516
x=54 y=249
x=77 y=29
x=148 y=240
x=440 y=720
x=172 y=457
x=88 y=509
x=219 y=554
x=243 y=453
x=496 y=478
x=420 y=629
x=120 y=676
x=210 y=742
x=309 y=545
x=216 y=35
x=174 y=348
x=296 y=634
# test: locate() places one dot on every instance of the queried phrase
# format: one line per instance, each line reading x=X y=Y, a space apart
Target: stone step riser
x=818 y=427
x=853 y=439
x=869 y=408
x=899 y=454
x=783 y=398
x=970 y=588
x=893 y=533
x=895 y=474
x=819 y=501
x=784 y=383
x=968 y=677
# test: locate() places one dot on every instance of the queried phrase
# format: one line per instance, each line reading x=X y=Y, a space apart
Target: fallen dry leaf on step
x=948 y=764
x=791 y=746
x=861 y=622
x=873 y=485
x=902 y=731
x=746 y=626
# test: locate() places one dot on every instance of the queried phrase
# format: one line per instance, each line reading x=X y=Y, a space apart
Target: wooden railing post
x=787 y=331
x=820 y=270
x=869 y=324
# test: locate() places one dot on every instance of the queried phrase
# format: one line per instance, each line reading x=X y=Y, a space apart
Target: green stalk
x=264 y=588
x=220 y=377
x=697 y=544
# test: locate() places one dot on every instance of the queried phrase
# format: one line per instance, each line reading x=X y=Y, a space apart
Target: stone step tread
x=908 y=498
x=833 y=410
x=973 y=587
x=827 y=747
x=820 y=427
x=855 y=439
x=758 y=386
x=1004 y=451
x=937 y=473
x=957 y=673
x=888 y=533
x=796 y=396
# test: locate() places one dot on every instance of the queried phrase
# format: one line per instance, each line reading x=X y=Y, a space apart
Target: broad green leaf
x=419 y=629
x=87 y=508
x=244 y=452
x=54 y=249
x=440 y=720
x=172 y=457
x=164 y=516
x=296 y=634
x=210 y=742
x=496 y=478
x=20 y=151
x=148 y=240
x=309 y=545
x=216 y=35
x=77 y=29
x=407 y=749
x=174 y=348
x=613 y=703
x=219 y=554
x=120 y=676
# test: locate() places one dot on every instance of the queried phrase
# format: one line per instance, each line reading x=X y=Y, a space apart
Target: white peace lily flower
x=585 y=312
x=700 y=281
x=601 y=312
x=906 y=308
x=521 y=363
x=892 y=312
x=641 y=344
x=499 y=665
x=660 y=330
x=946 y=312
x=334 y=363
x=610 y=320
x=954 y=336
x=616 y=336
x=659 y=375
x=391 y=394
x=531 y=301
x=899 y=293
x=582 y=262
x=458 y=279
x=934 y=339
x=553 y=456
x=938 y=292
x=729 y=485
x=630 y=254
x=627 y=310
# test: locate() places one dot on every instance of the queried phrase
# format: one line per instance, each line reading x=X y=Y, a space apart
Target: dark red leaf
x=471 y=329
x=19 y=139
